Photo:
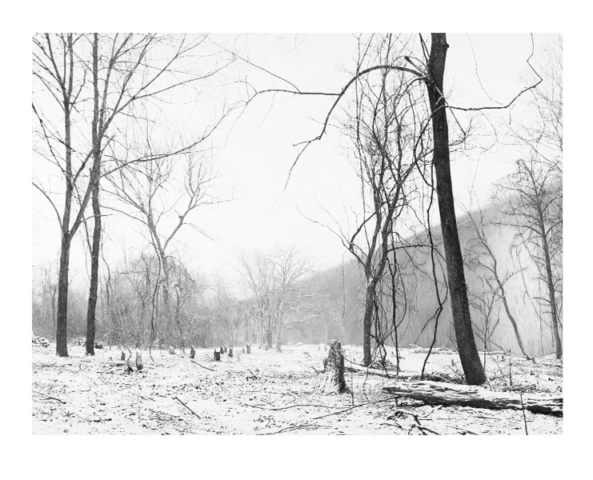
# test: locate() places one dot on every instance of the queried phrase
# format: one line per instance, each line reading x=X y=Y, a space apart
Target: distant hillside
x=338 y=295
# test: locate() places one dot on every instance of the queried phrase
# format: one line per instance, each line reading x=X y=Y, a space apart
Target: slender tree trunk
x=166 y=297
x=67 y=234
x=466 y=344
x=494 y=270
x=94 y=285
x=550 y=286
x=62 y=316
x=95 y=178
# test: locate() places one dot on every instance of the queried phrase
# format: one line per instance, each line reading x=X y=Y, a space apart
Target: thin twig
x=353 y=407
x=293 y=427
x=177 y=398
x=212 y=370
x=524 y=416
x=64 y=403
x=291 y=406
x=463 y=430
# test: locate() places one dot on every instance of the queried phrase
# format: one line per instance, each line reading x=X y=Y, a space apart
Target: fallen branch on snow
x=177 y=398
x=212 y=370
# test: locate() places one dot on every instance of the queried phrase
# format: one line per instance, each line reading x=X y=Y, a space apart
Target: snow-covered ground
x=267 y=392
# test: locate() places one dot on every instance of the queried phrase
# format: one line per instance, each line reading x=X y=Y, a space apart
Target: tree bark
x=367 y=323
x=468 y=351
x=334 y=380
x=476 y=397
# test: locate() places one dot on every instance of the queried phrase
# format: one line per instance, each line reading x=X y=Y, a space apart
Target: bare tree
x=390 y=120
x=56 y=67
x=534 y=206
x=493 y=279
x=430 y=72
x=272 y=278
x=162 y=196
x=125 y=71
x=534 y=191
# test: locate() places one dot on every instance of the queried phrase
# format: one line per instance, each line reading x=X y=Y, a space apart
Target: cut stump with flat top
x=334 y=380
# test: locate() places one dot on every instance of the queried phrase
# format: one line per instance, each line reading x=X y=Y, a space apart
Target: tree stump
x=129 y=368
x=123 y=356
x=171 y=350
x=216 y=355
x=192 y=352
x=139 y=364
x=334 y=380
x=230 y=352
x=248 y=348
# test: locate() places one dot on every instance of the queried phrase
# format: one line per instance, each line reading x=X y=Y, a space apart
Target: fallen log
x=476 y=397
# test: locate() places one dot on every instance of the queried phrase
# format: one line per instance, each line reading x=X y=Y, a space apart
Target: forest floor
x=267 y=392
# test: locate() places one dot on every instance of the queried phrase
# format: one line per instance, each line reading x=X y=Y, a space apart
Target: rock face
x=334 y=370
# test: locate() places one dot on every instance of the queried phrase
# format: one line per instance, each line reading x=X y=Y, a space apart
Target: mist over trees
x=109 y=117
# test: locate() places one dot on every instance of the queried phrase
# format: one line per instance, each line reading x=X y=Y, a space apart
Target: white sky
x=258 y=153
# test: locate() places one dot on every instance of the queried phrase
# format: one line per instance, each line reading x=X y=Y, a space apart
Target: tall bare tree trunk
x=95 y=178
x=67 y=234
x=466 y=344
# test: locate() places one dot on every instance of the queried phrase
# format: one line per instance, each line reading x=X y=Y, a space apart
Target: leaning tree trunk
x=334 y=370
x=466 y=344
